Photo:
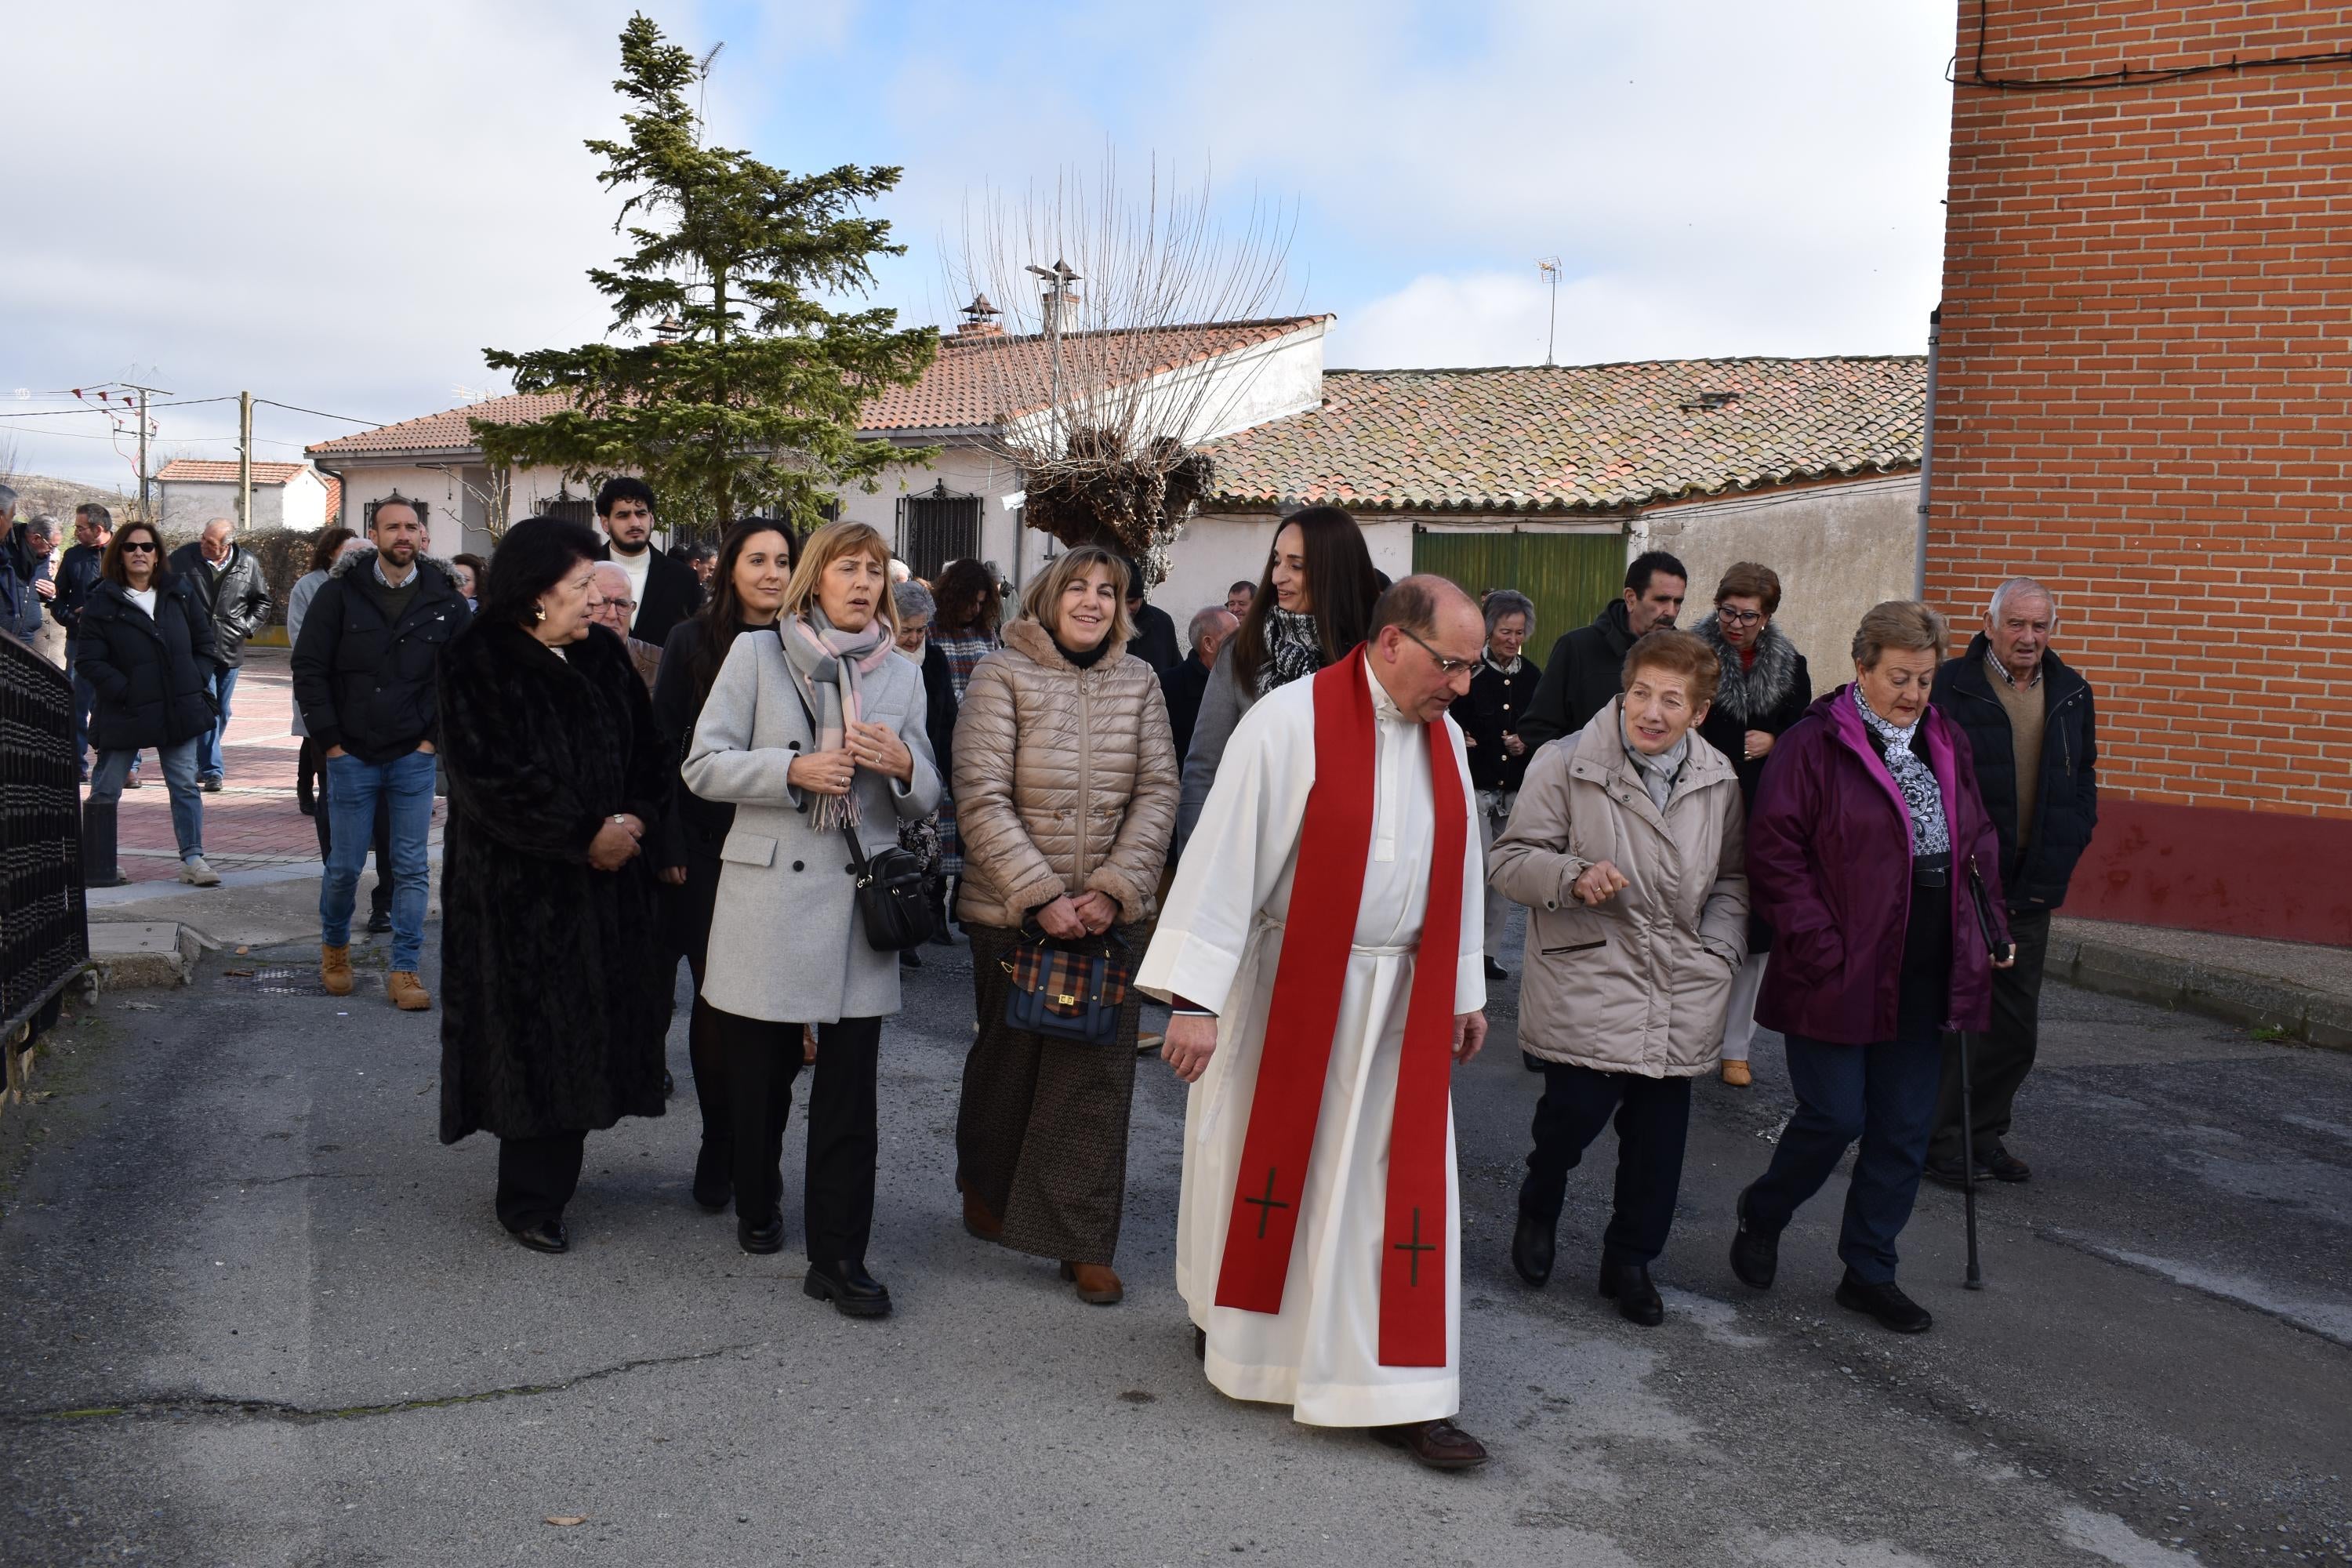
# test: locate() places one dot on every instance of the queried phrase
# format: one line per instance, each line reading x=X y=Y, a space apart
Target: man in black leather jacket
x=77 y=573
x=2034 y=733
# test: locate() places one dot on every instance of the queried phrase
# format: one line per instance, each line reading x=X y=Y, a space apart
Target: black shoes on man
x=547 y=1235
x=1628 y=1285
x=761 y=1239
x=1996 y=1162
x=1531 y=1249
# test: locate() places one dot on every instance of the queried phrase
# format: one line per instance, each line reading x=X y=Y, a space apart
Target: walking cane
x=1975 y=1280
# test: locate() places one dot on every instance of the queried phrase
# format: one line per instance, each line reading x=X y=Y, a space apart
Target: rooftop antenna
x=1549 y=267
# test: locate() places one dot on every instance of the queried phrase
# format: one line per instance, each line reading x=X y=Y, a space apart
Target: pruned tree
x=726 y=381
x=1101 y=376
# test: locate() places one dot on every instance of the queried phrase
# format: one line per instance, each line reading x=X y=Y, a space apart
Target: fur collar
x=365 y=556
x=1031 y=638
x=1746 y=694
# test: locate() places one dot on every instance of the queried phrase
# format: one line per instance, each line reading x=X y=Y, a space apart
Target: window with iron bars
x=937 y=527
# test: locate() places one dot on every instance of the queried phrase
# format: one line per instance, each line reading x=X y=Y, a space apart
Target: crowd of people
x=791 y=764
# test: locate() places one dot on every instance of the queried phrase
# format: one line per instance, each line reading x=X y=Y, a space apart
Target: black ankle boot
x=1884 y=1302
x=1628 y=1285
x=714 y=1183
x=1531 y=1247
x=761 y=1239
x=1755 y=1251
x=854 y=1293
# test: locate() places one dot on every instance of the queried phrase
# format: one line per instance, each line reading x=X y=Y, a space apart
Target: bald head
x=611 y=603
x=218 y=535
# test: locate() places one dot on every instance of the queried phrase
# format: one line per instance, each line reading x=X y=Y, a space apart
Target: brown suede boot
x=335 y=969
x=979 y=1221
x=1097 y=1286
x=407 y=991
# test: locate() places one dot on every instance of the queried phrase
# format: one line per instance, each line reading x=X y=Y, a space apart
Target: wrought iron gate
x=44 y=933
x=935 y=528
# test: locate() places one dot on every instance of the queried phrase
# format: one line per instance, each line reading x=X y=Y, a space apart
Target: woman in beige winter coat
x=1627 y=847
x=1066 y=784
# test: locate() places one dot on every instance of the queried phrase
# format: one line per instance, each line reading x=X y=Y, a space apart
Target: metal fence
x=44 y=932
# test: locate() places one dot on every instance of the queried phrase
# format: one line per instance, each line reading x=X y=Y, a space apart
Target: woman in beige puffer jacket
x=1065 y=788
x=1628 y=847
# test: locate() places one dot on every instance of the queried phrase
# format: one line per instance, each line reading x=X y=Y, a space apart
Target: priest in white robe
x=1319 y=1243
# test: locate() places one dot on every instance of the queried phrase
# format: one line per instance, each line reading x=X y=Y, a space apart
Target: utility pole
x=244 y=461
x=145 y=515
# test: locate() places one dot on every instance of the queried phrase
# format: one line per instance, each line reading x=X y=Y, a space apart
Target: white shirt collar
x=1384 y=707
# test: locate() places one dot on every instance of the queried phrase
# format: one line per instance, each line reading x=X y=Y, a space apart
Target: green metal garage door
x=1568 y=576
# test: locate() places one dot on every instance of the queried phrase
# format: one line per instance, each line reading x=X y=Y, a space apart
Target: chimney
x=979 y=320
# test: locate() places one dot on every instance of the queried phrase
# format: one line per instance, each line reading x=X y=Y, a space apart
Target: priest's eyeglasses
x=1448 y=667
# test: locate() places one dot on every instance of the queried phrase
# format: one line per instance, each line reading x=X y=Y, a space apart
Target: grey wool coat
x=787 y=943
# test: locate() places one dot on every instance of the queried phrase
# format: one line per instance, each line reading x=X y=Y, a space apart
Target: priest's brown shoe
x=1736 y=1074
x=979 y=1221
x=1097 y=1286
x=1440 y=1445
x=335 y=968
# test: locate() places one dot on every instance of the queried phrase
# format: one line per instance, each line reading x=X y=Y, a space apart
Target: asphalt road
x=255 y=1313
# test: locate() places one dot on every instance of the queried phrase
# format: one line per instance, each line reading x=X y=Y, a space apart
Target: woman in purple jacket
x=1866 y=832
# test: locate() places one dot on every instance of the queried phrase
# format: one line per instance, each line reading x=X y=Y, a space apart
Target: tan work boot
x=335 y=969
x=1097 y=1286
x=1736 y=1074
x=407 y=991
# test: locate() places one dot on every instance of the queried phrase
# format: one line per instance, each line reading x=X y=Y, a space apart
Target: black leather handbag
x=893 y=894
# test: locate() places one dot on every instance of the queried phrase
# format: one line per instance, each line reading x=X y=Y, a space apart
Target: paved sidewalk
x=2299 y=990
x=252 y=822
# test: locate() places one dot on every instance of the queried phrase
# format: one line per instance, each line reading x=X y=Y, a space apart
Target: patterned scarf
x=828 y=665
x=1912 y=776
x=1294 y=648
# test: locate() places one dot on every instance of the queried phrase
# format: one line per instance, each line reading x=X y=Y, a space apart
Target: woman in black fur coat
x=1764 y=688
x=555 y=1013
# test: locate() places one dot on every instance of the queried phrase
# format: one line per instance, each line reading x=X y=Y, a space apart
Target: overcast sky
x=340 y=207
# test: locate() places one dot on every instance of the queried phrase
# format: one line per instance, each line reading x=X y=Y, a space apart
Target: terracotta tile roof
x=958 y=391
x=446 y=431
x=334 y=498
x=197 y=470
x=1576 y=438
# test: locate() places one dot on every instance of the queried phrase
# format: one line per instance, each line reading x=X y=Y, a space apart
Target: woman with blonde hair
x=1067 y=786
x=814 y=731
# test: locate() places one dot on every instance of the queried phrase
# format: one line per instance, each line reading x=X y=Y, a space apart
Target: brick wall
x=2145 y=398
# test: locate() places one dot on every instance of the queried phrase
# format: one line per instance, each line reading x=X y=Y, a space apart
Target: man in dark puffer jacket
x=2031 y=729
x=363 y=673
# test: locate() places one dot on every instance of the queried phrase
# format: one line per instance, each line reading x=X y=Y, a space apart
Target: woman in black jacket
x=1764 y=688
x=144 y=645
x=554 y=1018
x=755 y=564
x=1500 y=691
x=923 y=839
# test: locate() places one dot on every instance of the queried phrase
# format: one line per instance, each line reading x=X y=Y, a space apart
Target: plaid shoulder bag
x=1071 y=991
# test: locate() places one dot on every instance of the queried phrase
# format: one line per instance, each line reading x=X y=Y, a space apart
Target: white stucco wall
x=1839 y=549
x=299 y=504
x=441 y=486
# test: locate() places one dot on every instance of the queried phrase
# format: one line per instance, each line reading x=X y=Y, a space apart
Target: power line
x=347 y=418
x=2124 y=76
x=126 y=410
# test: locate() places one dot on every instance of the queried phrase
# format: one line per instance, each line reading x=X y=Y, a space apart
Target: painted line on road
x=2330 y=1321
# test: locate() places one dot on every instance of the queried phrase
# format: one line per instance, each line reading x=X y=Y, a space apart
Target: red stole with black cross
x=1309 y=980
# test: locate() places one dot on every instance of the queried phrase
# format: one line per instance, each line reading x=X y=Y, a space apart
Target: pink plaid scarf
x=827 y=665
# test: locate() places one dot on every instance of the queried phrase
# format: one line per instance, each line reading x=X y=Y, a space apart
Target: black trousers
x=684 y=932
x=1653 y=1124
x=380 y=901
x=1999 y=1059
x=761 y=1061
x=537 y=1177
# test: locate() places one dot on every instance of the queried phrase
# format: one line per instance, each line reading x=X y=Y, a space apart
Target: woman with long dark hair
x=815 y=733
x=145 y=644
x=755 y=564
x=1314 y=605
x=554 y=1019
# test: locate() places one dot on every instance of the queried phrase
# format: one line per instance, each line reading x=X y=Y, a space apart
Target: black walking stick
x=1975 y=1280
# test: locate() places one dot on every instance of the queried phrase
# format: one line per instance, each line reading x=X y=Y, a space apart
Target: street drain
x=303 y=982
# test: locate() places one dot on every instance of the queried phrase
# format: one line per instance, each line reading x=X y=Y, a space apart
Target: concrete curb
x=2233 y=995
x=131 y=956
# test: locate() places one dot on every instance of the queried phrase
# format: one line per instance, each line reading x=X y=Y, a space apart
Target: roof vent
x=1706 y=402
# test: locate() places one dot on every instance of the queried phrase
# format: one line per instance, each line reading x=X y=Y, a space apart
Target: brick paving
x=252 y=822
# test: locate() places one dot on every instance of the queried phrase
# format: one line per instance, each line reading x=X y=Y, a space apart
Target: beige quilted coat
x=1640 y=983
x=1064 y=781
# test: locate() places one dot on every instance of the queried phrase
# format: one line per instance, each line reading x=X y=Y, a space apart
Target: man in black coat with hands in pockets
x=2033 y=734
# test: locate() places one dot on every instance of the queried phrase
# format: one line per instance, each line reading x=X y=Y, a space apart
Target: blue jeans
x=179 y=777
x=352 y=787
x=1883 y=1095
x=209 y=765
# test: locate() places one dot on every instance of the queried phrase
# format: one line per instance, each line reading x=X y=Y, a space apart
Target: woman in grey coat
x=812 y=732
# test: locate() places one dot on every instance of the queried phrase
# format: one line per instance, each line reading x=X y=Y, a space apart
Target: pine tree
x=726 y=382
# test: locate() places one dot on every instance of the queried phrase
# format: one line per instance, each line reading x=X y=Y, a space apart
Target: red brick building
x=2145 y=398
